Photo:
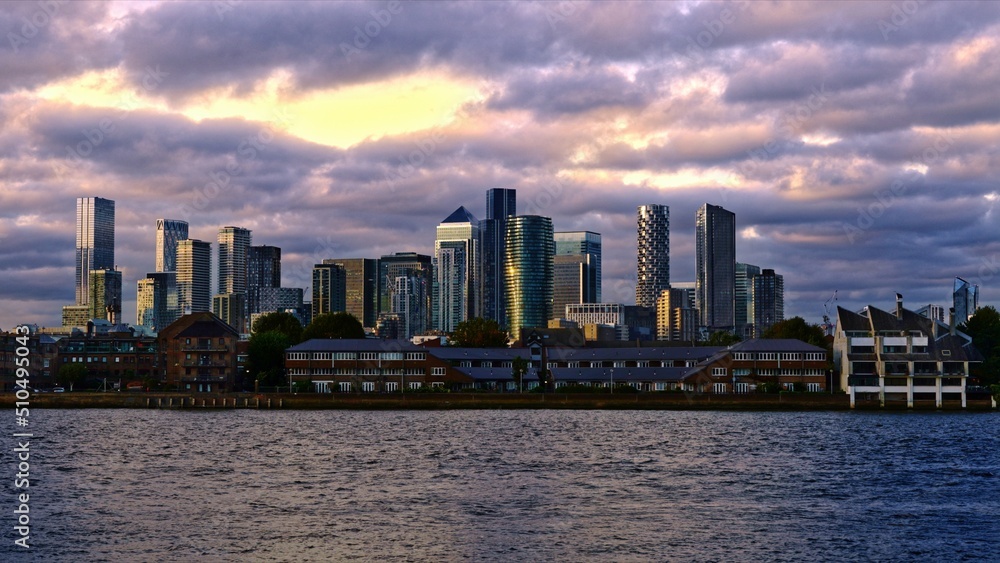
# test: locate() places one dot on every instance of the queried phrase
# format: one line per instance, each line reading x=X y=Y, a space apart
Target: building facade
x=263 y=271
x=501 y=203
x=361 y=289
x=529 y=274
x=156 y=300
x=198 y=353
x=329 y=289
x=586 y=245
x=675 y=321
x=715 y=267
x=652 y=253
x=767 y=301
x=743 y=306
x=168 y=233
x=965 y=300
x=457 y=273
x=105 y=301
x=95 y=241
x=194 y=276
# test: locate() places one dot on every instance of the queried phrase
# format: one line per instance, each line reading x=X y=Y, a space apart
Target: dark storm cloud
x=569 y=90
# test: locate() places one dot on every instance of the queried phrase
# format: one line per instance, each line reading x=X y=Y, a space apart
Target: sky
x=858 y=143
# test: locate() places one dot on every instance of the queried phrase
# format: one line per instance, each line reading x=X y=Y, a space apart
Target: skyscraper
x=457 y=274
x=194 y=276
x=263 y=271
x=652 y=253
x=105 y=299
x=744 y=288
x=583 y=243
x=95 y=242
x=675 y=321
x=156 y=300
x=234 y=250
x=529 y=265
x=407 y=265
x=570 y=282
x=168 y=232
x=501 y=203
x=361 y=289
x=715 y=267
x=965 y=299
x=767 y=301
x=329 y=289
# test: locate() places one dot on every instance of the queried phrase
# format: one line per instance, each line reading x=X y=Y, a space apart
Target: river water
x=148 y=485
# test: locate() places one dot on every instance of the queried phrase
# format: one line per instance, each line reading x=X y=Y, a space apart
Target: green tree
x=334 y=325
x=281 y=322
x=266 y=357
x=71 y=374
x=797 y=328
x=984 y=328
x=519 y=367
x=722 y=338
x=479 y=333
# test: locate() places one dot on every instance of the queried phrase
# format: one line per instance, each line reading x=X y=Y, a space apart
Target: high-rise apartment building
x=361 y=290
x=744 y=287
x=234 y=250
x=675 y=321
x=529 y=276
x=715 y=267
x=965 y=300
x=583 y=243
x=569 y=278
x=329 y=289
x=501 y=203
x=194 y=276
x=168 y=233
x=95 y=242
x=652 y=253
x=263 y=271
x=767 y=301
x=105 y=300
x=409 y=304
x=456 y=289
x=418 y=269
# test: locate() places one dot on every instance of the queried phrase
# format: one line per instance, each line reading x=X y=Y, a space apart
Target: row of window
x=101 y=360
x=768 y=372
x=412 y=356
x=783 y=356
x=745 y=387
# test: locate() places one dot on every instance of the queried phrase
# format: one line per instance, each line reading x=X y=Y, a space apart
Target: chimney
x=951 y=321
x=899 y=306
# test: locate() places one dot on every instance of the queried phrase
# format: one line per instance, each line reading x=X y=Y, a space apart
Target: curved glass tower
x=529 y=272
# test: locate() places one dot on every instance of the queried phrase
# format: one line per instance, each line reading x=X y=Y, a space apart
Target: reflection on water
x=243 y=485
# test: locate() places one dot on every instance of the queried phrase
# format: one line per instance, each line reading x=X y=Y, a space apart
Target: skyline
x=856 y=145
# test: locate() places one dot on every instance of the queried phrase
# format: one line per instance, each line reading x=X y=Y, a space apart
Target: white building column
x=963 y=390
x=909 y=391
x=881 y=390
x=938 y=400
x=850 y=389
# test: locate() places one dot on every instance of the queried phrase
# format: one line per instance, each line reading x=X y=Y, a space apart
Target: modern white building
x=456 y=267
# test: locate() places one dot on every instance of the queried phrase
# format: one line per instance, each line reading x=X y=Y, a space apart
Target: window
x=465 y=364
x=368 y=355
x=391 y=386
x=187 y=341
x=767 y=356
x=815 y=356
x=415 y=385
x=742 y=387
x=661 y=386
x=117 y=360
x=437 y=384
x=719 y=372
x=718 y=387
x=391 y=355
x=791 y=356
x=368 y=386
x=741 y=371
x=812 y=387
x=642 y=364
x=742 y=356
x=415 y=356
x=321 y=355
x=507 y=364
x=487 y=364
x=344 y=356
x=345 y=386
x=437 y=371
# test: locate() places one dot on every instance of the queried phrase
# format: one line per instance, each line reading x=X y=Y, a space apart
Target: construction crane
x=826 y=317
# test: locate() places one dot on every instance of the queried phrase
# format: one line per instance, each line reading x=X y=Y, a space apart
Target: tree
x=984 y=328
x=282 y=322
x=334 y=325
x=479 y=333
x=71 y=374
x=266 y=357
x=519 y=366
x=722 y=338
x=796 y=328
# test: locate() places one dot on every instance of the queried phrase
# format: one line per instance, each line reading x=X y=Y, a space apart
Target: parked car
x=58 y=390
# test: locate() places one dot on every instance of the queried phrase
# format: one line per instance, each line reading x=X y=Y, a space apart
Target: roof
x=355 y=345
x=458 y=353
x=775 y=345
x=695 y=353
x=851 y=321
x=461 y=215
x=620 y=374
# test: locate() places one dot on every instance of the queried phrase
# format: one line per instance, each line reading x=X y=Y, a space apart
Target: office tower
x=529 y=260
x=194 y=276
x=263 y=271
x=652 y=253
x=569 y=283
x=965 y=299
x=675 y=321
x=95 y=242
x=407 y=265
x=767 y=301
x=361 y=289
x=156 y=300
x=582 y=243
x=743 y=285
x=688 y=288
x=168 y=233
x=75 y=316
x=231 y=309
x=105 y=300
x=329 y=289
x=456 y=265
x=234 y=249
x=715 y=267
x=500 y=204
x=409 y=304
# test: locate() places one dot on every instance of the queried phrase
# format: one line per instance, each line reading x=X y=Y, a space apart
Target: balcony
x=209 y=348
x=204 y=363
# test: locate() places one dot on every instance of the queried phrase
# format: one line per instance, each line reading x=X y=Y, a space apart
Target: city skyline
x=856 y=144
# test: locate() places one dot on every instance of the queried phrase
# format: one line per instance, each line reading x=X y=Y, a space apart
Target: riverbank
x=446 y=401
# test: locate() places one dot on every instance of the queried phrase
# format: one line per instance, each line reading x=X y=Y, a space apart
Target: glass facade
x=652 y=253
x=194 y=276
x=361 y=288
x=965 y=299
x=582 y=244
x=95 y=241
x=767 y=301
x=329 y=289
x=501 y=203
x=263 y=271
x=715 y=267
x=168 y=233
x=744 y=289
x=529 y=272
x=456 y=289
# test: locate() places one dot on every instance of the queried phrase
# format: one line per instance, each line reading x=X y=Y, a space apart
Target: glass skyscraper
x=456 y=270
x=168 y=233
x=529 y=272
x=263 y=271
x=965 y=299
x=744 y=297
x=767 y=301
x=715 y=267
x=652 y=253
x=584 y=244
x=194 y=276
x=501 y=203
x=95 y=241
x=361 y=289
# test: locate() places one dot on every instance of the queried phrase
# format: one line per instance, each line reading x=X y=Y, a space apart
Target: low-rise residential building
x=199 y=353
x=785 y=364
x=117 y=356
x=41 y=353
x=902 y=357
